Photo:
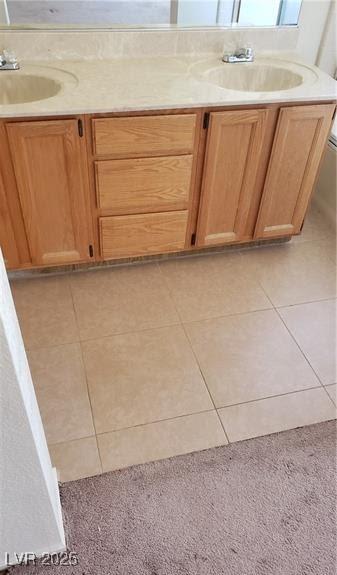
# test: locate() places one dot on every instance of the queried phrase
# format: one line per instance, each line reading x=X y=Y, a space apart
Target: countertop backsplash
x=104 y=44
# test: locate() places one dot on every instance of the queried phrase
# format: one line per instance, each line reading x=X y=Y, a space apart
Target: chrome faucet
x=240 y=55
x=8 y=61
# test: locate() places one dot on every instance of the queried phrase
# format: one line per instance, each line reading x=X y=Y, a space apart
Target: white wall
x=30 y=511
x=327 y=55
x=311 y=24
x=4 y=19
x=325 y=196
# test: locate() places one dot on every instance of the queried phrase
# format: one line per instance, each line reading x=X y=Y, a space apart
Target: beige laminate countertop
x=121 y=85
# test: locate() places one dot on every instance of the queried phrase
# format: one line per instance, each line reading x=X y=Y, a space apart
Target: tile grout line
x=85 y=375
x=294 y=339
x=302 y=352
x=292 y=336
x=116 y=334
x=206 y=385
x=96 y=434
x=319 y=386
x=291 y=244
x=157 y=264
x=180 y=322
x=147 y=329
x=330 y=385
x=228 y=315
x=273 y=307
x=194 y=355
x=306 y=302
x=154 y=422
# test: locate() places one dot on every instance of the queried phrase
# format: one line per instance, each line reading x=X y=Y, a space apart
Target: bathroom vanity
x=94 y=180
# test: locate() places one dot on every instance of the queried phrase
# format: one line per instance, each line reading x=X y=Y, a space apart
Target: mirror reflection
x=109 y=13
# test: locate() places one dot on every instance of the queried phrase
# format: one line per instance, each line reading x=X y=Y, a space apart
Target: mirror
x=149 y=13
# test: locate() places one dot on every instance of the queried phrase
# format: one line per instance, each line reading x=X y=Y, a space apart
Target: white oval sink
x=33 y=83
x=263 y=75
x=26 y=88
x=253 y=77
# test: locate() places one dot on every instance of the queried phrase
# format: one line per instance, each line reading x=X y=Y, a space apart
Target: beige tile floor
x=137 y=363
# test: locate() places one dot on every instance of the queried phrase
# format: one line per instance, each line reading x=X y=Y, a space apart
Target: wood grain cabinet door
x=234 y=151
x=298 y=146
x=13 y=241
x=8 y=243
x=49 y=165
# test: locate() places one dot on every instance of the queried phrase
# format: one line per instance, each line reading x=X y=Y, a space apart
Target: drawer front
x=142 y=234
x=144 y=135
x=144 y=184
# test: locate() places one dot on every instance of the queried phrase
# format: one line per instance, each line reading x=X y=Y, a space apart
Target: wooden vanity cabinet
x=50 y=171
x=235 y=162
x=98 y=188
x=299 y=143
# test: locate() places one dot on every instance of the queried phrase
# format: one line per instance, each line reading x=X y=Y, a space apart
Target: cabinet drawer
x=142 y=234
x=144 y=135
x=143 y=184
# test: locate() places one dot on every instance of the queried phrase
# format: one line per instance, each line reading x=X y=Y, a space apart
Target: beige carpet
x=260 y=507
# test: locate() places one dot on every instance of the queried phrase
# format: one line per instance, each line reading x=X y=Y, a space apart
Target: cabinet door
x=231 y=174
x=13 y=241
x=7 y=237
x=298 y=146
x=49 y=165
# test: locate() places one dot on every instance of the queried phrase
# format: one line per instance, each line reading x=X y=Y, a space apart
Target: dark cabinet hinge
x=80 y=128
x=206 y=120
x=193 y=239
x=91 y=251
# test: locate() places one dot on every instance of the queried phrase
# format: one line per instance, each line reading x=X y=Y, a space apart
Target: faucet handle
x=244 y=52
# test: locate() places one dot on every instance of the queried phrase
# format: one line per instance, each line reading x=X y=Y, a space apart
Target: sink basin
x=253 y=77
x=26 y=88
x=263 y=75
x=33 y=83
